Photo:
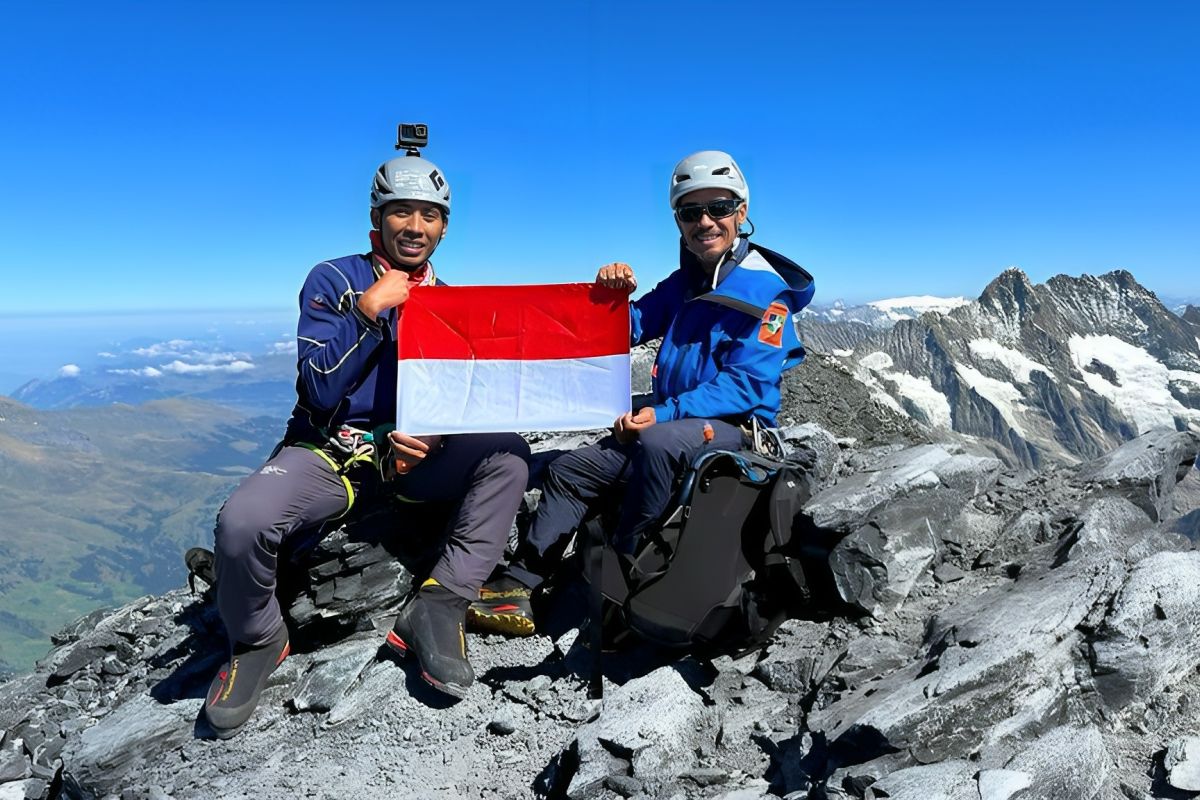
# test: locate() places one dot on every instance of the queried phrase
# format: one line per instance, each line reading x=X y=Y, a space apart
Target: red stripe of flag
x=528 y=323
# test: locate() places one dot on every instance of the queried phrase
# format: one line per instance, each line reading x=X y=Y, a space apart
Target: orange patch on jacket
x=771 y=330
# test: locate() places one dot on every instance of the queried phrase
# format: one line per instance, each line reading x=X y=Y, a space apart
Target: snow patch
x=899 y=308
x=876 y=361
x=843 y=353
x=1142 y=391
x=919 y=392
x=1003 y=396
x=1019 y=365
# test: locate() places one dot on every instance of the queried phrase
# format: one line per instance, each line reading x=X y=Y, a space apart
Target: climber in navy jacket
x=725 y=318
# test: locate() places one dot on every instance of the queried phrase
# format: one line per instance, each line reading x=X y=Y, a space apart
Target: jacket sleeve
x=651 y=314
x=747 y=379
x=334 y=339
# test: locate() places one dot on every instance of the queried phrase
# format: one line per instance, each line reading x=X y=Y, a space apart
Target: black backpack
x=727 y=565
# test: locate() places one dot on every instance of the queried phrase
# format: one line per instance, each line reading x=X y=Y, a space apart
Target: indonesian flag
x=477 y=359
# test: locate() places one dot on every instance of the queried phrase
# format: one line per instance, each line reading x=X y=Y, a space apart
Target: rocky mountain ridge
x=1061 y=371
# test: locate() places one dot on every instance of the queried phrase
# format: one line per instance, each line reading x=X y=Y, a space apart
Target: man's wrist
x=372 y=324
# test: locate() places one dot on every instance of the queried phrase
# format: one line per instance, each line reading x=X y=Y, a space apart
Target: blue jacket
x=725 y=343
x=346 y=362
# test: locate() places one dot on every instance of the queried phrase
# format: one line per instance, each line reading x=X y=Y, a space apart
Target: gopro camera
x=411 y=137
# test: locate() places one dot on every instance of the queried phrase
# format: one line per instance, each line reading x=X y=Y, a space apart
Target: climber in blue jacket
x=725 y=318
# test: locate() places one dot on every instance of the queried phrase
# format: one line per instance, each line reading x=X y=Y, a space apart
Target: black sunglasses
x=717 y=209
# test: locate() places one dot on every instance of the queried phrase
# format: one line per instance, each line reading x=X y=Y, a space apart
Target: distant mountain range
x=1061 y=371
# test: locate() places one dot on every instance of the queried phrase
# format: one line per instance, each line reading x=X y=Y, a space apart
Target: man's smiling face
x=709 y=238
x=410 y=230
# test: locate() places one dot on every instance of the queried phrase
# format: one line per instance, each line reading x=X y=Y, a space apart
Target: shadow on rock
x=414 y=684
x=200 y=641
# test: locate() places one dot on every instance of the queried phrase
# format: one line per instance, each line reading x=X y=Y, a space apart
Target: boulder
x=1148 y=639
x=993 y=669
x=1145 y=470
x=653 y=726
x=1182 y=763
x=1069 y=761
x=893 y=518
x=948 y=780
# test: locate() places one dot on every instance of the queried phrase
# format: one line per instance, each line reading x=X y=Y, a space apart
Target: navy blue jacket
x=346 y=361
x=726 y=338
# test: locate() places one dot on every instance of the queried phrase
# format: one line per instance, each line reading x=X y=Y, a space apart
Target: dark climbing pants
x=298 y=489
x=648 y=467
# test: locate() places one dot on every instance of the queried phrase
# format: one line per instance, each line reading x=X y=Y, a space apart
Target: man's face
x=410 y=230
x=709 y=238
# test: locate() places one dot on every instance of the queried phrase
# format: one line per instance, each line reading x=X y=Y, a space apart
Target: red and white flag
x=476 y=359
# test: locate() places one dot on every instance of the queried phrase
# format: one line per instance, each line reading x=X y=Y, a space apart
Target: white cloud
x=286 y=347
x=69 y=371
x=172 y=347
x=145 y=372
x=106 y=354
x=182 y=368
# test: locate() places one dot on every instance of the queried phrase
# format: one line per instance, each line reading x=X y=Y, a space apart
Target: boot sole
x=401 y=648
x=499 y=622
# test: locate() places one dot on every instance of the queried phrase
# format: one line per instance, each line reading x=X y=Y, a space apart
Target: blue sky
x=206 y=155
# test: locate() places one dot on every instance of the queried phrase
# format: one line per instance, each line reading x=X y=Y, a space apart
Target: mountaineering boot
x=431 y=625
x=503 y=607
x=235 y=691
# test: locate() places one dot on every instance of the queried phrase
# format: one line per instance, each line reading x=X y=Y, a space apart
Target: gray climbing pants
x=298 y=489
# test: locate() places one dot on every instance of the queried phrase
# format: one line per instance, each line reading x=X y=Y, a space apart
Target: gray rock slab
x=869 y=657
x=334 y=670
x=379 y=682
x=14 y=765
x=821 y=442
x=947 y=780
x=877 y=565
x=1145 y=470
x=16 y=790
x=596 y=763
x=798 y=657
x=1069 y=761
x=116 y=746
x=656 y=722
x=1148 y=640
x=994 y=667
x=1107 y=528
x=1002 y=784
x=847 y=504
x=1182 y=763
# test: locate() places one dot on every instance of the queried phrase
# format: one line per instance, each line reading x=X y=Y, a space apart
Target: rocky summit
x=989 y=631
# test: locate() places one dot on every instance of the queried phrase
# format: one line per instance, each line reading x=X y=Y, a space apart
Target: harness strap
x=338 y=470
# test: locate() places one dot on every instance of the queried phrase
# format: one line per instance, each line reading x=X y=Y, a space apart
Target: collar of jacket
x=422 y=276
x=699 y=277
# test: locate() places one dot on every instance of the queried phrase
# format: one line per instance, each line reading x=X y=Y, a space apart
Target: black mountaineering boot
x=503 y=607
x=431 y=625
x=235 y=691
